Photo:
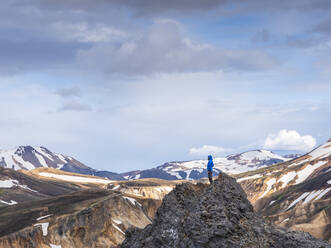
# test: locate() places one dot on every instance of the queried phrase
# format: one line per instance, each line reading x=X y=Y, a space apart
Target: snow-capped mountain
x=295 y=194
x=196 y=169
x=28 y=158
x=32 y=157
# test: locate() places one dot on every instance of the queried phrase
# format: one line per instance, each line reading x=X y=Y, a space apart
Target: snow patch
x=63 y=159
x=9 y=203
x=307 y=171
x=324 y=192
x=288 y=177
x=55 y=246
x=44 y=217
x=137 y=176
x=270 y=183
x=118 y=222
x=250 y=177
x=44 y=227
x=324 y=151
x=24 y=163
x=42 y=152
x=75 y=178
x=133 y=201
x=116 y=187
x=303 y=196
x=10 y=183
x=117 y=228
x=41 y=160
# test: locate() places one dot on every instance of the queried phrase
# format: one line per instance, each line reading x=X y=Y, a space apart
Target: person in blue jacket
x=210 y=166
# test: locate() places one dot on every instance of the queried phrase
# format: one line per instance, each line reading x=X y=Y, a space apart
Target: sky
x=127 y=85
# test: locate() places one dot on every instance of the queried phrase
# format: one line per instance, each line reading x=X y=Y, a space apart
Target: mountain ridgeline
x=196 y=169
x=31 y=157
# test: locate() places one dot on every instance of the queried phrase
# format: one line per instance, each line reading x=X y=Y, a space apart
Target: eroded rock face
x=91 y=218
x=217 y=215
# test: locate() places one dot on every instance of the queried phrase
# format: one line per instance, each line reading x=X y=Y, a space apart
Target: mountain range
x=196 y=169
x=48 y=207
x=31 y=157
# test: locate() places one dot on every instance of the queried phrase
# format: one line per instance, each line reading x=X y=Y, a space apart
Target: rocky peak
x=217 y=215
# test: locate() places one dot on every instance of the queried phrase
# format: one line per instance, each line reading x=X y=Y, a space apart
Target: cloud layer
x=290 y=140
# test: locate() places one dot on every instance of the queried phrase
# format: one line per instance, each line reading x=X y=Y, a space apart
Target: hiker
x=210 y=166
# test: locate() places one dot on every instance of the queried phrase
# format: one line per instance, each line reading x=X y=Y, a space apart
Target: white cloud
x=206 y=150
x=289 y=140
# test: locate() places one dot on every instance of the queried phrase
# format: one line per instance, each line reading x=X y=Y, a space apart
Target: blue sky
x=130 y=85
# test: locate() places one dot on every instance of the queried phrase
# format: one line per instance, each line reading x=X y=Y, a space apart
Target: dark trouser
x=210 y=176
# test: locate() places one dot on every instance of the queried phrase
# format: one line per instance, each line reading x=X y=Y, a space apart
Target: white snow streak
x=287 y=178
x=303 y=196
x=312 y=195
x=270 y=182
x=119 y=229
x=42 y=152
x=118 y=222
x=10 y=183
x=306 y=172
x=116 y=187
x=250 y=177
x=324 y=192
x=75 y=178
x=321 y=151
x=44 y=217
x=133 y=201
x=55 y=246
x=26 y=164
x=9 y=203
x=41 y=160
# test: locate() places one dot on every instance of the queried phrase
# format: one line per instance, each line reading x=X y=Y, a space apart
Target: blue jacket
x=210 y=164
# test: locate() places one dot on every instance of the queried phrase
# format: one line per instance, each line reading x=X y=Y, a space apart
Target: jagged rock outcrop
x=217 y=215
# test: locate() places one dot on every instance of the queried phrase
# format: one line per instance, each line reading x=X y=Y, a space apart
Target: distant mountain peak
x=196 y=169
x=29 y=157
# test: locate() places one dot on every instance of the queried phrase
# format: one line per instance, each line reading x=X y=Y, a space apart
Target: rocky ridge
x=218 y=215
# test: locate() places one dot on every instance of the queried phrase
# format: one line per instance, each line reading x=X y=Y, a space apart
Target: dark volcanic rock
x=217 y=215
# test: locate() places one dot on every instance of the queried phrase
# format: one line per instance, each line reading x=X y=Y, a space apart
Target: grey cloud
x=163 y=49
x=69 y=92
x=156 y=7
x=47 y=34
x=74 y=106
x=261 y=35
x=304 y=43
x=28 y=55
x=323 y=27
